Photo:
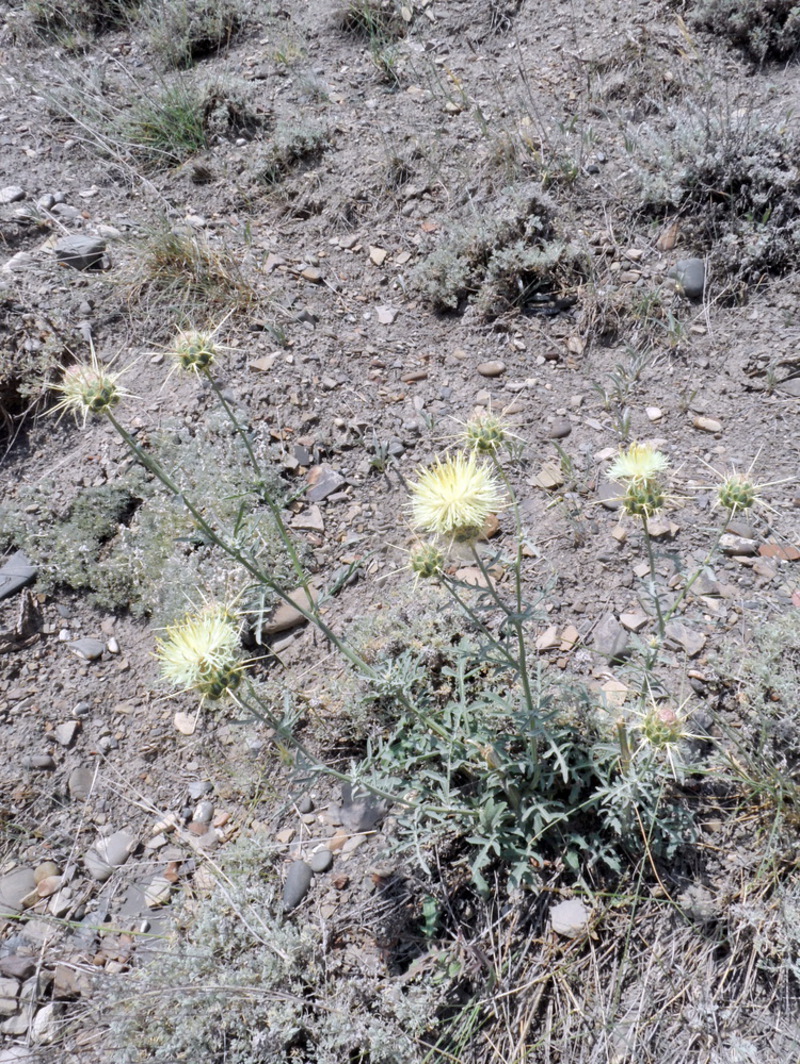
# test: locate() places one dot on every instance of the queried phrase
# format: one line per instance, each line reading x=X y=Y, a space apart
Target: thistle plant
x=201 y=652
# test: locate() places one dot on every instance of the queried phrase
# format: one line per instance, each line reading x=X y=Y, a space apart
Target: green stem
x=283 y=532
x=653 y=592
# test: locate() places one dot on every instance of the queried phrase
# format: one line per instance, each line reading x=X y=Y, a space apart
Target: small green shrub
x=509 y=260
x=289 y=147
x=244 y=984
x=764 y=30
x=184 y=31
x=735 y=180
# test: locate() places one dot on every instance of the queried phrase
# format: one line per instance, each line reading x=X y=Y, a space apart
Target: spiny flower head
x=200 y=653
x=193 y=350
x=454 y=497
x=737 y=493
x=88 y=390
x=643 y=499
x=640 y=464
x=485 y=434
x=427 y=561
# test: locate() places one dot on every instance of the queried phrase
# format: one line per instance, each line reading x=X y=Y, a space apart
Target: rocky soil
x=118 y=799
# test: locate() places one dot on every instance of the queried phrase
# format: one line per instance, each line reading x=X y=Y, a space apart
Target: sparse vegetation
x=765 y=31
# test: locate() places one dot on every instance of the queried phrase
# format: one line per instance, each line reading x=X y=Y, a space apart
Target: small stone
x=9 y=992
x=354 y=842
x=377 y=255
x=691 y=640
x=185 y=723
x=690 y=278
x=80 y=252
x=654 y=413
x=634 y=621
x=729 y=544
x=558 y=429
x=569 y=637
x=15 y=573
x=204 y=812
x=610 y=494
x=706 y=424
x=491 y=369
x=112 y=646
x=12 y=194
x=80 y=783
x=40 y=762
x=610 y=638
x=88 y=648
x=549 y=639
x=108 y=854
x=309 y=520
x=323 y=480
x=386 y=315
x=158 y=892
x=48 y=886
x=283 y=838
x=312 y=274
x=16 y=888
x=305 y=804
x=64 y=734
x=549 y=476
x=570 y=918
x=199 y=788
x=786 y=552
x=298 y=881
x=320 y=861
x=17 y=967
x=45 y=870
x=45 y=1026
x=287 y=616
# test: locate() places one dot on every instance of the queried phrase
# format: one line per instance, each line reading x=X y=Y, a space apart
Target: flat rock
x=45 y=1027
x=323 y=480
x=610 y=494
x=12 y=194
x=15 y=888
x=15 y=573
x=88 y=648
x=549 y=639
x=570 y=918
x=80 y=252
x=690 y=639
x=287 y=616
x=309 y=520
x=64 y=734
x=610 y=638
x=298 y=881
x=707 y=424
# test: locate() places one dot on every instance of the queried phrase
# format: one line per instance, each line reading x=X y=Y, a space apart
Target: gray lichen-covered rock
x=80 y=252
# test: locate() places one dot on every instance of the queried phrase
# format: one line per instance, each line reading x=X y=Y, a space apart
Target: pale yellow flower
x=200 y=653
x=454 y=497
x=640 y=464
x=88 y=389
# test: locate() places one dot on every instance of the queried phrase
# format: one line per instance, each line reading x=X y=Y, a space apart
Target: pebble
x=80 y=783
x=707 y=424
x=690 y=277
x=88 y=648
x=80 y=252
x=323 y=480
x=158 y=892
x=549 y=639
x=690 y=639
x=558 y=429
x=44 y=871
x=15 y=573
x=610 y=495
x=204 y=812
x=45 y=1026
x=305 y=804
x=198 y=788
x=9 y=992
x=320 y=861
x=298 y=881
x=64 y=734
x=491 y=369
x=654 y=413
x=42 y=762
x=17 y=967
x=729 y=544
x=108 y=854
x=15 y=888
x=287 y=616
x=569 y=918
x=610 y=638
x=12 y=194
